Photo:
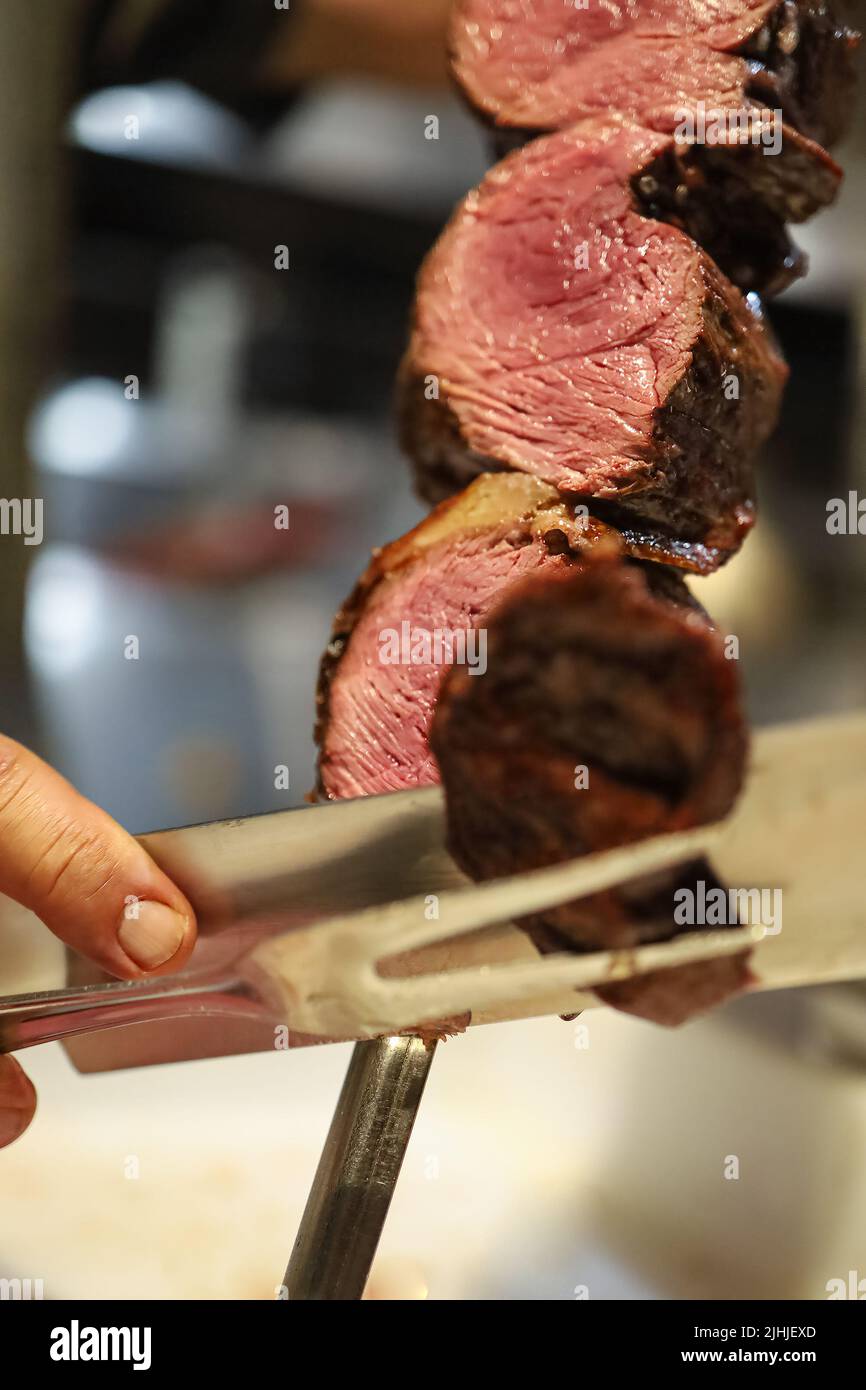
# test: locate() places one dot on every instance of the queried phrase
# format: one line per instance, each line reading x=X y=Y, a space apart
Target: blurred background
x=210 y=219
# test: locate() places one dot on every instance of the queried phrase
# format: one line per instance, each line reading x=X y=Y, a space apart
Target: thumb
x=91 y=883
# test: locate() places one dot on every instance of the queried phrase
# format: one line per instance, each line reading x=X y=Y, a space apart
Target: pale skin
x=77 y=869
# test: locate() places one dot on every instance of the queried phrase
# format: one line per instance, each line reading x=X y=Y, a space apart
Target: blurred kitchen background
x=173 y=386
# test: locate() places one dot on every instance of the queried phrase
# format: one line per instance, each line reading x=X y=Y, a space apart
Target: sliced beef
x=607 y=713
x=530 y=66
x=561 y=332
x=442 y=578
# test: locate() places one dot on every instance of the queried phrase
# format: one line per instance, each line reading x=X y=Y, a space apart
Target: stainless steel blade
x=796 y=828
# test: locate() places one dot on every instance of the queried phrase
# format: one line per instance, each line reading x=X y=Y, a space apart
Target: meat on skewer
x=531 y=66
x=560 y=331
x=422 y=598
x=608 y=712
x=589 y=356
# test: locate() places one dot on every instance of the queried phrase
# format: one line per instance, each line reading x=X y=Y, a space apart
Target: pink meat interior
x=543 y=64
x=379 y=714
x=556 y=316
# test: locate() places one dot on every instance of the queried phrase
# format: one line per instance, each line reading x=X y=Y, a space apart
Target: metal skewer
x=358 y=1170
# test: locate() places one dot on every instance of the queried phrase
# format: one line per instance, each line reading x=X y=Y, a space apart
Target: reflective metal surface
x=304 y=864
x=794 y=837
x=358 y=1170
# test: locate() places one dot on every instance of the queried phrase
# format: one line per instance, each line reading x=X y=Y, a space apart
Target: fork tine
x=446 y=993
x=404 y=926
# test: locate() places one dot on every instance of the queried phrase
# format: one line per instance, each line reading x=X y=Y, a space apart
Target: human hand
x=92 y=885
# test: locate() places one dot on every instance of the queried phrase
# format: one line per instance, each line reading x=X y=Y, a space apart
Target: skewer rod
x=358 y=1169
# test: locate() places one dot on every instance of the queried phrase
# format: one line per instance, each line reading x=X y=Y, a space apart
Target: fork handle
x=29 y=1019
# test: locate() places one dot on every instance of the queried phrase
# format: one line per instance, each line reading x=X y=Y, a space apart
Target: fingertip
x=17 y=1101
x=156 y=937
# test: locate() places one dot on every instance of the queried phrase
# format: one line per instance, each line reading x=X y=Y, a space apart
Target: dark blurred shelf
x=339 y=314
x=181 y=207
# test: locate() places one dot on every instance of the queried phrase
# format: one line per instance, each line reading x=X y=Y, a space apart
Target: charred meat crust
x=801 y=60
x=672 y=997
x=736 y=203
x=701 y=484
x=614 y=668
